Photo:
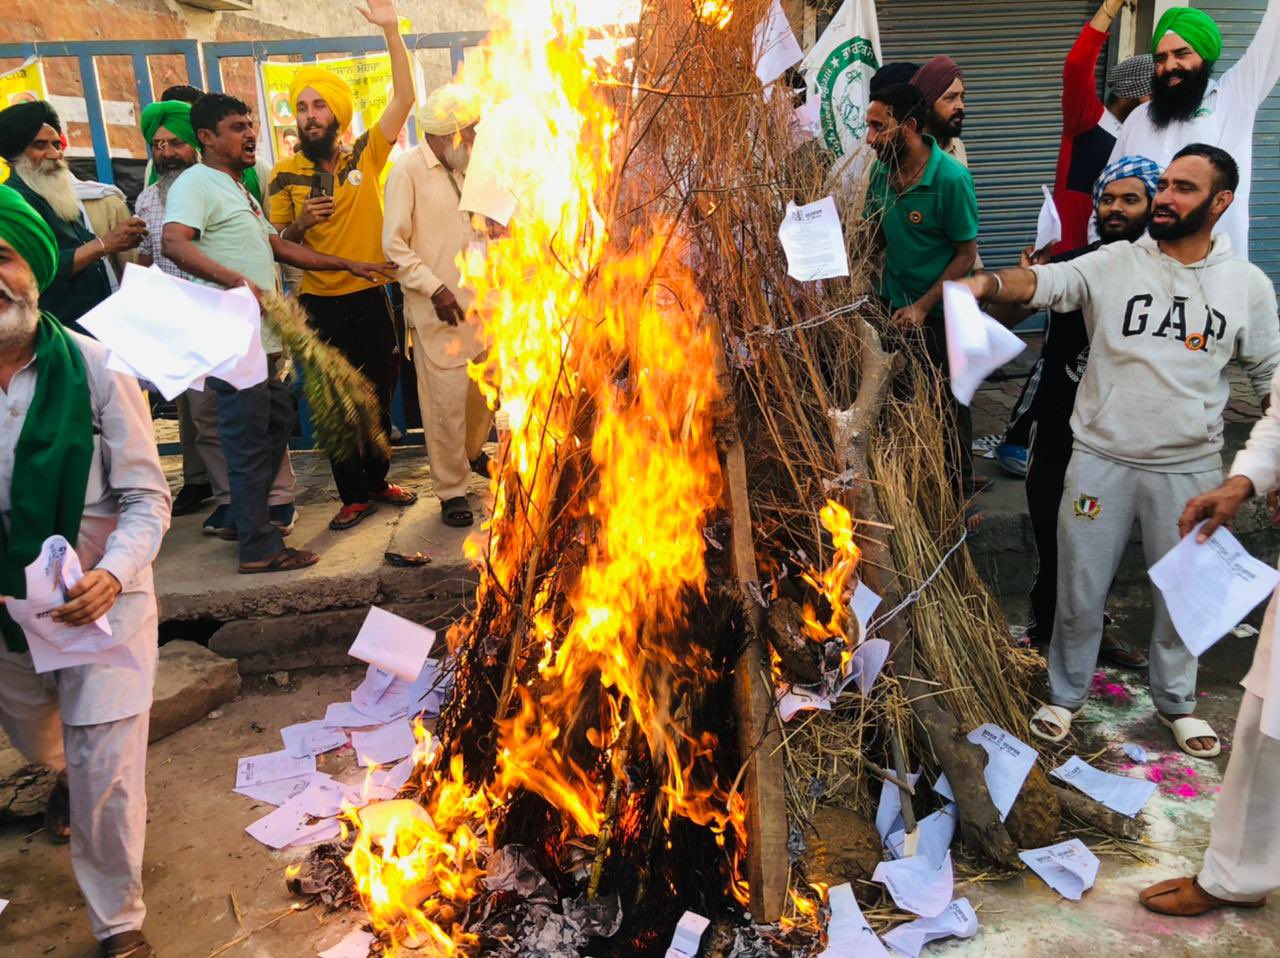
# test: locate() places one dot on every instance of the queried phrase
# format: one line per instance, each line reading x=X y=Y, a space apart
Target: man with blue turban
x=80 y=479
x=1189 y=106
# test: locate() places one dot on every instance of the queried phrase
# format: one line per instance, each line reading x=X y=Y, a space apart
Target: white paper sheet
x=173 y=332
x=848 y=934
x=813 y=241
x=346 y=715
x=325 y=799
x=1119 y=793
x=391 y=706
x=355 y=945
x=278 y=792
x=1009 y=762
x=4 y=903
x=1135 y=752
x=958 y=920
x=806 y=122
x=864 y=604
x=483 y=190
x=917 y=885
x=866 y=664
x=1210 y=587
x=282 y=826
x=326 y=830
x=426 y=694
x=1069 y=868
x=775 y=45
x=376 y=683
x=976 y=344
x=272 y=767
x=383 y=784
x=385 y=745
x=889 y=811
x=49 y=577
x=1048 y=225
x=936 y=834
x=942 y=788
x=864 y=667
x=687 y=938
x=392 y=643
x=311 y=738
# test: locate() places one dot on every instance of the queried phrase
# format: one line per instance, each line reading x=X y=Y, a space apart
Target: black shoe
x=57 y=812
x=127 y=944
x=191 y=497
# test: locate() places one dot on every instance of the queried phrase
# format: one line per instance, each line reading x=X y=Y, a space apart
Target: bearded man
x=424 y=233
x=174 y=149
x=31 y=141
x=327 y=197
x=79 y=460
x=941 y=82
x=1189 y=106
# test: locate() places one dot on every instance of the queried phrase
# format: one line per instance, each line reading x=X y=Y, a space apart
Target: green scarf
x=50 y=465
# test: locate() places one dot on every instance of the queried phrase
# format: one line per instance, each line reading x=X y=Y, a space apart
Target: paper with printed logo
x=813 y=241
x=1009 y=762
x=1069 y=868
x=776 y=48
x=958 y=921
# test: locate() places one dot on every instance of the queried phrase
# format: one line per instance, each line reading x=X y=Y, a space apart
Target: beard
x=54 y=181
x=1178 y=103
x=1182 y=226
x=457 y=158
x=889 y=152
x=166 y=179
x=947 y=129
x=1120 y=229
x=321 y=148
x=18 y=318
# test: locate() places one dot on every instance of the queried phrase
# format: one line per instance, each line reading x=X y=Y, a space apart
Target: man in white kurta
x=424 y=233
x=90 y=722
x=1187 y=40
x=1242 y=863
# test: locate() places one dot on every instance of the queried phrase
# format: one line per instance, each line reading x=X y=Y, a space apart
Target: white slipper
x=1187 y=727
x=1052 y=715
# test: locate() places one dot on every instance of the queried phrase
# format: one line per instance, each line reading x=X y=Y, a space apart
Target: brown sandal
x=1184 y=898
x=289 y=560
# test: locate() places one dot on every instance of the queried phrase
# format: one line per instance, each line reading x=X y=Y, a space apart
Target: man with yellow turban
x=78 y=472
x=327 y=196
x=1189 y=106
x=424 y=234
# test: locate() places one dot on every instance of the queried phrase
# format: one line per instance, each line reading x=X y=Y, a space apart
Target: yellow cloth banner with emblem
x=20 y=85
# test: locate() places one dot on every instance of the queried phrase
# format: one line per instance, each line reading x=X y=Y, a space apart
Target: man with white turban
x=423 y=233
x=327 y=197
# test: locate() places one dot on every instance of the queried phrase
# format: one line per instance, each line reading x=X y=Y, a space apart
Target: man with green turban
x=1188 y=105
x=78 y=471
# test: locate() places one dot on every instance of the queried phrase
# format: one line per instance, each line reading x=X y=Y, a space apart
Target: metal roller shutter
x=1239 y=21
x=1012 y=53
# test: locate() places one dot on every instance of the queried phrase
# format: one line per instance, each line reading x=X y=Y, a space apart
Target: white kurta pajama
x=93 y=720
x=424 y=233
x=1243 y=859
x=1225 y=120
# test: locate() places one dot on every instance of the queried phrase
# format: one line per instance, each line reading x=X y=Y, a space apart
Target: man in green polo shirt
x=927 y=212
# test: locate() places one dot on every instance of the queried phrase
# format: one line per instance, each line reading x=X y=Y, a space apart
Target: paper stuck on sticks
x=1211 y=586
x=53 y=645
x=1069 y=868
x=958 y=920
x=1048 y=226
x=392 y=643
x=776 y=48
x=813 y=241
x=976 y=344
x=1120 y=793
x=1009 y=762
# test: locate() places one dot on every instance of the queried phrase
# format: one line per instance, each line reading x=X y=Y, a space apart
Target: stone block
x=190 y=683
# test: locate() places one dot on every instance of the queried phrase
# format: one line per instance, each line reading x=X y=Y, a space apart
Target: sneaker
x=191 y=497
x=283 y=517
x=219 y=524
x=1012 y=459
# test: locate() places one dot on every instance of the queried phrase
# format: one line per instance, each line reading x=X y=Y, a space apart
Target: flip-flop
x=1184 y=898
x=1052 y=715
x=1187 y=727
x=455 y=512
x=289 y=560
x=396 y=496
x=352 y=514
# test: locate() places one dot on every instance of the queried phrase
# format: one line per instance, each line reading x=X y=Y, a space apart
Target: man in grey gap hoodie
x=1164 y=314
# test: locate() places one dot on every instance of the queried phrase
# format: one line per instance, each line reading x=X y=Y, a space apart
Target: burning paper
x=776 y=47
x=287 y=825
x=976 y=344
x=848 y=933
x=392 y=643
x=864 y=604
x=917 y=885
x=1009 y=762
x=1209 y=587
x=1069 y=868
x=813 y=241
x=1048 y=226
x=1118 y=792
x=354 y=945
x=483 y=191
x=958 y=920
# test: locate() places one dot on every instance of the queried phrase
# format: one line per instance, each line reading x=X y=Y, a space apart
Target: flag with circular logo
x=839 y=68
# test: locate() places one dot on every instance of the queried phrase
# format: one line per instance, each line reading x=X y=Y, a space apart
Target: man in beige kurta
x=425 y=233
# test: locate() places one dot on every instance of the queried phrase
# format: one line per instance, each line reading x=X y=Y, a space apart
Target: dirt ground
x=213 y=891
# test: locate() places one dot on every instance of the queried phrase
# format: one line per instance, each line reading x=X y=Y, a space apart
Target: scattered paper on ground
x=848 y=933
x=936 y=832
x=385 y=745
x=917 y=885
x=687 y=938
x=958 y=920
x=1009 y=762
x=392 y=643
x=355 y=945
x=1118 y=792
x=272 y=767
x=1069 y=868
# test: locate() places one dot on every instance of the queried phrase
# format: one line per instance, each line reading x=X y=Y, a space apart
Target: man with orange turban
x=327 y=196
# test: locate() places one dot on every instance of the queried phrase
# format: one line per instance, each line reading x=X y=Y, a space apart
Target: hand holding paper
x=976 y=344
x=1049 y=226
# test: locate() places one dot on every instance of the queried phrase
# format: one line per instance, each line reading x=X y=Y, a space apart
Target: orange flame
x=832 y=582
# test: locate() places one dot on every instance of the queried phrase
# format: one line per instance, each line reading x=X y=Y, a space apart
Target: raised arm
x=1081 y=106
x=1253 y=78
x=382 y=13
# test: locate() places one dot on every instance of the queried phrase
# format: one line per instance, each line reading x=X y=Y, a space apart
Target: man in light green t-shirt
x=216 y=231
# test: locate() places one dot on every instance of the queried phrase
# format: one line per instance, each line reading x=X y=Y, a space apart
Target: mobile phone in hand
x=321 y=184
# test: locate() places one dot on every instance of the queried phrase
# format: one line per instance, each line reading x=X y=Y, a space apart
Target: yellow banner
x=17 y=86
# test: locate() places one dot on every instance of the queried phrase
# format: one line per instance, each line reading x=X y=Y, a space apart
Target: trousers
x=1100 y=501
x=1050 y=445
x=255 y=425
x=203 y=407
x=361 y=327
x=105 y=766
x=455 y=421
x=1243 y=859
x=194 y=472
